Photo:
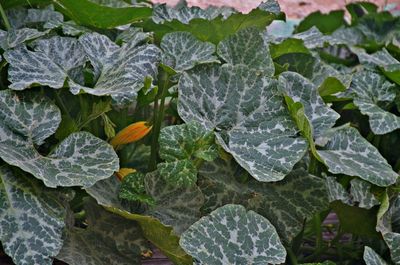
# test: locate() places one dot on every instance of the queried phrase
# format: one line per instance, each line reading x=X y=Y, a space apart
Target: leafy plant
x=128 y=127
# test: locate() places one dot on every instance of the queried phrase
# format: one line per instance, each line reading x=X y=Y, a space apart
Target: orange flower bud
x=131 y=133
x=124 y=172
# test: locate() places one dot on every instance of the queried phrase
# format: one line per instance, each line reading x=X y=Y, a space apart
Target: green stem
x=292 y=256
x=318 y=231
x=61 y=103
x=313 y=165
x=158 y=118
x=5 y=19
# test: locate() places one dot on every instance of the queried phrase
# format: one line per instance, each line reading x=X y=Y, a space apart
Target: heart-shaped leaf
x=231 y=235
x=245 y=109
x=80 y=160
x=31 y=219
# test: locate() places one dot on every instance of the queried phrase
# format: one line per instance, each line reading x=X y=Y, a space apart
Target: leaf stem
x=292 y=256
x=5 y=19
x=158 y=118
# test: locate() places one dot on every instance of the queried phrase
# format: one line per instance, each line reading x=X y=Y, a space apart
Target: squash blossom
x=124 y=172
x=131 y=133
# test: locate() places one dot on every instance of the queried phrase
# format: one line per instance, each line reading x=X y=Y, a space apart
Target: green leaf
x=49 y=65
x=361 y=192
x=285 y=203
x=106 y=194
x=383 y=60
x=360 y=9
x=389 y=226
x=160 y=235
x=26 y=121
x=247 y=47
x=288 y=46
x=214 y=30
x=288 y=202
x=133 y=189
x=182 y=51
x=246 y=111
x=218 y=184
x=302 y=90
x=174 y=206
x=89 y=13
x=326 y=23
x=108 y=239
x=182 y=146
x=372 y=258
x=119 y=71
x=231 y=235
x=31 y=219
x=347 y=152
x=45 y=18
x=355 y=220
x=15 y=37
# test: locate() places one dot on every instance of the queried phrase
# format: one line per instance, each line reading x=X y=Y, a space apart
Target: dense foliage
x=127 y=126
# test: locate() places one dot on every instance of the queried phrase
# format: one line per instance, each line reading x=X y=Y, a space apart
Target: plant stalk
x=5 y=18
x=158 y=118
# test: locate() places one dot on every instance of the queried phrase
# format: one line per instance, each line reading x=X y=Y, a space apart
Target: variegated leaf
x=119 y=71
x=361 y=192
x=185 y=14
x=383 y=60
x=347 y=152
x=46 y=17
x=231 y=235
x=336 y=192
x=372 y=258
x=182 y=51
x=133 y=189
x=389 y=226
x=106 y=191
x=49 y=65
x=247 y=47
x=174 y=206
x=15 y=37
x=31 y=219
x=302 y=90
x=288 y=202
x=182 y=146
x=108 y=240
x=219 y=186
x=81 y=159
x=245 y=109
x=285 y=203
x=370 y=91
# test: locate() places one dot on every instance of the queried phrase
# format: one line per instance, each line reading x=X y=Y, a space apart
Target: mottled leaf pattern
x=361 y=192
x=105 y=192
x=302 y=90
x=336 y=191
x=174 y=206
x=119 y=71
x=285 y=203
x=393 y=241
x=184 y=14
x=370 y=91
x=372 y=258
x=108 y=239
x=31 y=219
x=347 y=152
x=48 y=65
x=231 y=235
x=46 y=17
x=247 y=47
x=182 y=51
x=15 y=37
x=182 y=147
x=80 y=160
x=288 y=202
x=246 y=111
x=219 y=186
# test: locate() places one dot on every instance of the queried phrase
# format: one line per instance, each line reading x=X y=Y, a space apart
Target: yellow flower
x=124 y=172
x=131 y=133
